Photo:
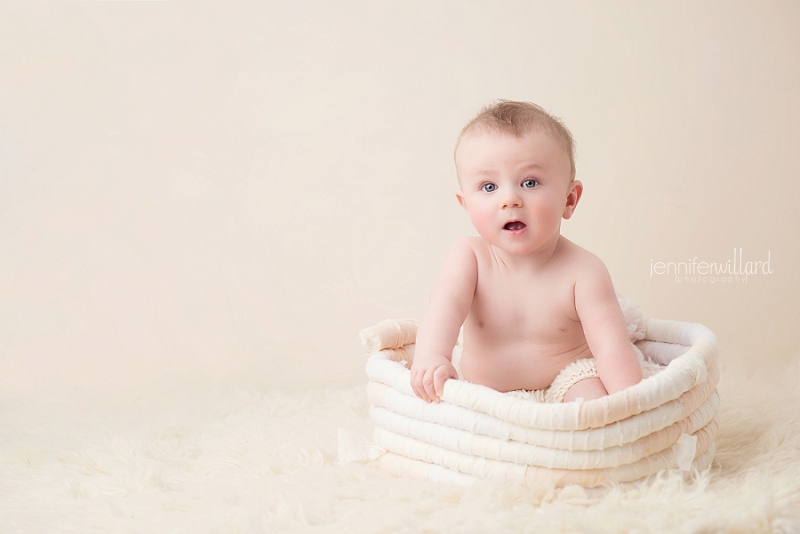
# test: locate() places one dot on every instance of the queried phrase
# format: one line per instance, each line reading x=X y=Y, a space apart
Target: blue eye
x=530 y=183
x=489 y=187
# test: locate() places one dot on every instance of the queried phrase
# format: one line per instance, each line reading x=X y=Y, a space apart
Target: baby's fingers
x=428 y=383
x=417 y=377
x=439 y=377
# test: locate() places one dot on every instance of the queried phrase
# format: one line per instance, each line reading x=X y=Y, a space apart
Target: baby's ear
x=460 y=198
x=573 y=196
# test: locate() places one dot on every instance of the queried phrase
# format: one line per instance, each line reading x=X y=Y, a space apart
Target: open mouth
x=514 y=226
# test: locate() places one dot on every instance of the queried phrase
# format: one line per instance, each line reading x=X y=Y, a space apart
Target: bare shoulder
x=584 y=264
x=468 y=247
x=459 y=272
x=593 y=284
x=475 y=243
x=464 y=246
x=461 y=255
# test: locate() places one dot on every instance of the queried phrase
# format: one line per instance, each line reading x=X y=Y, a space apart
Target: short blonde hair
x=519 y=118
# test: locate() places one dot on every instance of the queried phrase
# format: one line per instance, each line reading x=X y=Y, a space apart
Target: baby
x=539 y=312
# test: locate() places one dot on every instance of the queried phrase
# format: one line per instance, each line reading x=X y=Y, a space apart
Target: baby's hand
x=428 y=377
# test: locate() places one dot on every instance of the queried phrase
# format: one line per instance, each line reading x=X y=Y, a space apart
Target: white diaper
x=574 y=373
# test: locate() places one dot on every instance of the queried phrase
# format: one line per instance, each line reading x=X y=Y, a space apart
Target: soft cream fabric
x=388 y=334
x=665 y=421
x=527 y=474
x=194 y=458
x=674 y=412
x=683 y=373
x=568 y=377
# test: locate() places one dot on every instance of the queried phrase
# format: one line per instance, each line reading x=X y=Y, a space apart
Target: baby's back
x=523 y=327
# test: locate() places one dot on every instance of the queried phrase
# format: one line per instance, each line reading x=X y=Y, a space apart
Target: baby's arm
x=438 y=330
x=605 y=328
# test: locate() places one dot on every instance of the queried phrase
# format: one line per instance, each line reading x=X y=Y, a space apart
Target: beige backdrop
x=235 y=189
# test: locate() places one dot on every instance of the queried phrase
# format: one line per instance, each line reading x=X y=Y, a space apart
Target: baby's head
x=516 y=173
x=517 y=119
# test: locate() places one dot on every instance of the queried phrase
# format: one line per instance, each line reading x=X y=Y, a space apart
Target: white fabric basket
x=665 y=421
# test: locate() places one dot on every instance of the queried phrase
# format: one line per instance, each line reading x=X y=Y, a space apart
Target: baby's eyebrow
x=528 y=167
x=532 y=166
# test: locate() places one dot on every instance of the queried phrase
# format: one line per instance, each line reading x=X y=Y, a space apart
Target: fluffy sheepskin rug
x=192 y=458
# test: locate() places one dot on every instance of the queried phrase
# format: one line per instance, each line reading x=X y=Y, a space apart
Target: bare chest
x=509 y=309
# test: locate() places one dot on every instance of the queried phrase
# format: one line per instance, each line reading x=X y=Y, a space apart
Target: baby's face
x=516 y=190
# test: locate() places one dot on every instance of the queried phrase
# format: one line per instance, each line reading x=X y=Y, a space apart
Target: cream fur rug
x=196 y=458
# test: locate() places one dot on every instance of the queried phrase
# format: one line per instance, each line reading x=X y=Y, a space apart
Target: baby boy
x=539 y=312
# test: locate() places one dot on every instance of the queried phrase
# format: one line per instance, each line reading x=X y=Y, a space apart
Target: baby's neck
x=533 y=262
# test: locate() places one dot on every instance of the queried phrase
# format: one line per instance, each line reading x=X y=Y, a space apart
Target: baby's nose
x=512 y=200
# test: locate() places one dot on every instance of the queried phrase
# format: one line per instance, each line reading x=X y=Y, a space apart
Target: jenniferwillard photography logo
x=733 y=271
